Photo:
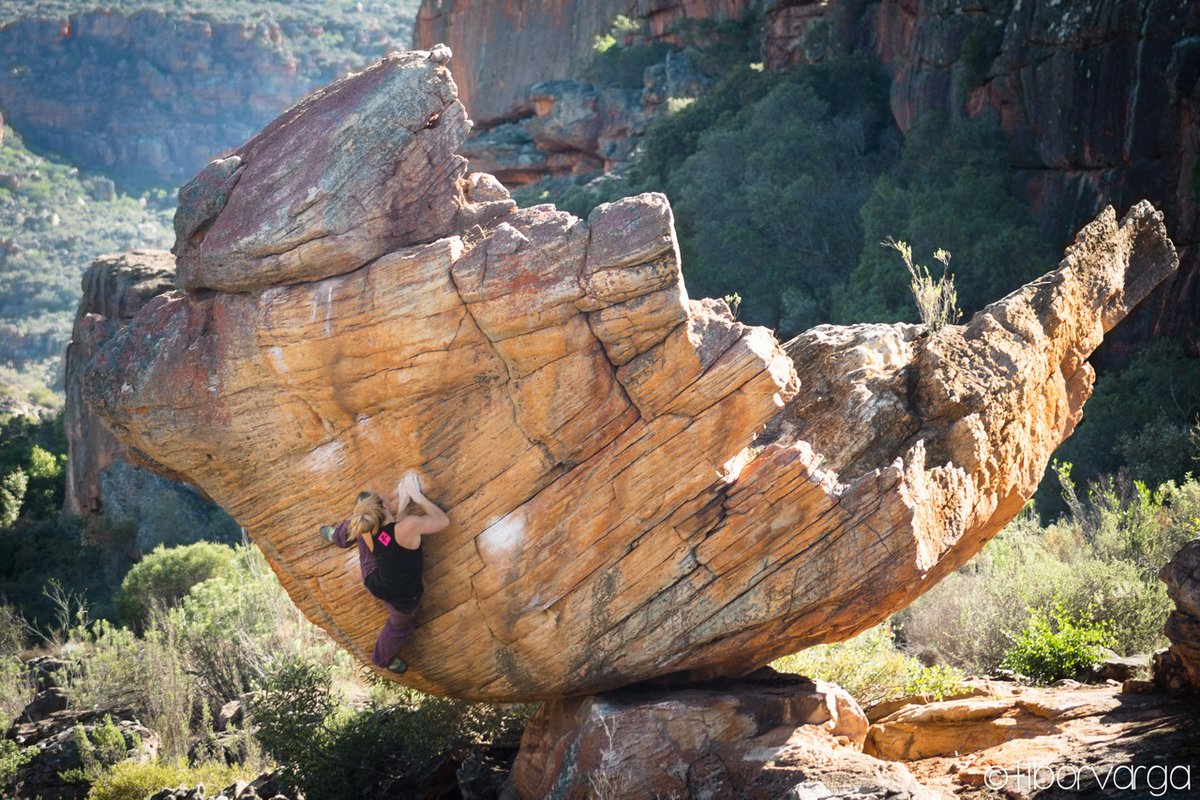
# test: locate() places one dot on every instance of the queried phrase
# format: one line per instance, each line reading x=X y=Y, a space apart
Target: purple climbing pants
x=395 y=633
x=399 y=625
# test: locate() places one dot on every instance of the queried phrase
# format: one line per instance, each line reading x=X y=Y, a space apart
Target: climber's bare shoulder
x=411 y=527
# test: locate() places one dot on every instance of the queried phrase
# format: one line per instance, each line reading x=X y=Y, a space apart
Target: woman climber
x=389 y=555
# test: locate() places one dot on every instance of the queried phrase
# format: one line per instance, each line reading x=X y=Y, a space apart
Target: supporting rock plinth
x=1177 y=669
x=637 y=483
x=756 y=739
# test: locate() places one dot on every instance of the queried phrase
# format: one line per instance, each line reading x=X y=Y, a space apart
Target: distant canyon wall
x=1100 y=101
x=149 y=98
x=501 y=49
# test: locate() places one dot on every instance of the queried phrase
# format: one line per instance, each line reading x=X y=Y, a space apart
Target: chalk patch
x=276 y=356
x=502 y=540
x=329 y=456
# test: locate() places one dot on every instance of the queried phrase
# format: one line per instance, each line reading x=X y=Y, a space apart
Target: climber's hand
x=327 y=532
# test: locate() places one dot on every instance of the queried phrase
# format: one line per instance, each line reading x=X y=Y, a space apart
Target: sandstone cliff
x=100 y=477
x=1177 y=669
x=638 y=484
x=1100 y=103
x=502 y=49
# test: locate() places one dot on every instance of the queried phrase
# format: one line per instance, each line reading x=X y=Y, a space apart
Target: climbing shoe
x=327 y=532
x=398 y=666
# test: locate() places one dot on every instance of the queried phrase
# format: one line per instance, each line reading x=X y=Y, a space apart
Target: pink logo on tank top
x=385 y=539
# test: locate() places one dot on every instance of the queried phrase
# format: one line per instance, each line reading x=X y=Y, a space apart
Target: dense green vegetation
x=53 y=223
x=237 y=635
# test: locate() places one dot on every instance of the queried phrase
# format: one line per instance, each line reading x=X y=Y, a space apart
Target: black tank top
x=397 y=576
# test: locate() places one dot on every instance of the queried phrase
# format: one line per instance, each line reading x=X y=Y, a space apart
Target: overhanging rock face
x=638 y=484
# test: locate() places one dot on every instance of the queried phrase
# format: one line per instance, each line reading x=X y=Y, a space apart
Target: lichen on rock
x=637 y=483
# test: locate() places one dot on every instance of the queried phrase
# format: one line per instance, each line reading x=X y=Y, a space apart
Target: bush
x=936 y=300
x=385 y=749
x=290 y=709
x=103 y=748
x=1055 y=645
x=12 y=758
x=137 y=780
x=166 y=575
x=1137 y=419
x=247 y=599
x=871 y=668
x=1101 y=563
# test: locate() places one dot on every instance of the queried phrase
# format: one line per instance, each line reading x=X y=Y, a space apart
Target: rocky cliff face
x=100 y=476
x=150 y=97
x=502 y=49
x=1177 y=669
x=638 y=484
x=1099 y=100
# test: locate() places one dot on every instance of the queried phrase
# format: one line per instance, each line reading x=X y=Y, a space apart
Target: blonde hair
x=367 y=517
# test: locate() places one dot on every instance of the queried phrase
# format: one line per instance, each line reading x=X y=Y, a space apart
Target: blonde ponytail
x=367 y=517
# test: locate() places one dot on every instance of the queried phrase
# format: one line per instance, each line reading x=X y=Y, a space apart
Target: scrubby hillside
x=54 y=221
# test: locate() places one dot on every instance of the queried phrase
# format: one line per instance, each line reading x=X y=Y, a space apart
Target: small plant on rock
x=937 y=300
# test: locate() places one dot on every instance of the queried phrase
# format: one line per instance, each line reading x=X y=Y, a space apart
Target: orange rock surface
x=637 y=483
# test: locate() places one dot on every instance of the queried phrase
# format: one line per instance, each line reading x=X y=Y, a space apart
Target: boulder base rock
x=1177 y=669
x=757 y=738
x=1022 y=742
x=56 y=739
x=638 y=484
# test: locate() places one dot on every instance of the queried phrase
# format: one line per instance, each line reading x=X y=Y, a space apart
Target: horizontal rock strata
x=637 y=483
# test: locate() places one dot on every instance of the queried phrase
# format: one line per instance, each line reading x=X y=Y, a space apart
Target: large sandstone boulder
x=638 y=484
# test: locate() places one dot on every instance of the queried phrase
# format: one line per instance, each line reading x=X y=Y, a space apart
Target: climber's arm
x=434 y=520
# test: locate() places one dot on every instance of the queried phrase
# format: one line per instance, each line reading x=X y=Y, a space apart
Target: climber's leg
x=395 y=633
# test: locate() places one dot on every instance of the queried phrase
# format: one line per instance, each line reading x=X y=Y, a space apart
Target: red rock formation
x=753 y=739
x=501 y=49
x=592 y=430
x=102 y=476
x=114 y=289
x=1177 y=669
x=1100 y=102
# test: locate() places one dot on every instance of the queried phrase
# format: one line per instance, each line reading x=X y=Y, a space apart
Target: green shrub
x=1056 y=645
x=385 y=749
x=869 y=666
x=137 y=780
x=166 y=575
x=98 y=751
x=12 y=496
x=12 y=758
x=934 y=682
x=290 y=709
x=936 y=300
x=1137 y=419
x=1100 y=563
x=250 y=600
